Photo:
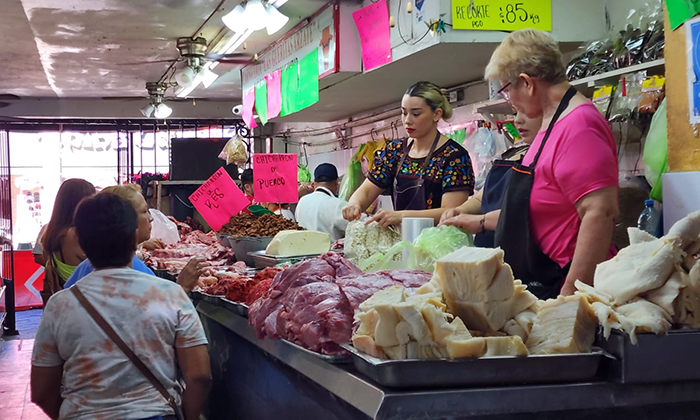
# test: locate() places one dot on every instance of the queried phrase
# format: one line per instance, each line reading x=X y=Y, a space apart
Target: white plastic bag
x=163 y=228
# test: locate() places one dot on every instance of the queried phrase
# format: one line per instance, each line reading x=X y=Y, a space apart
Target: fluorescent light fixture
x=255 y=15
x=147 y=110
x=275 y=19
x=162 y=111
x=207 y=76
x=185 y=76
x=234 y=20
x=244 y=36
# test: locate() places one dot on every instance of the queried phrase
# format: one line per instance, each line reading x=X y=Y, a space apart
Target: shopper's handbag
x=127 y=351
x=52 y=280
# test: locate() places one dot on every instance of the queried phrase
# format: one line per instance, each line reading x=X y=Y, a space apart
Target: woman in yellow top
x=62 y=252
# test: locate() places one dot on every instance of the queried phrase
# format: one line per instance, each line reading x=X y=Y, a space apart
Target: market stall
x=638 y=365
x=263 y=379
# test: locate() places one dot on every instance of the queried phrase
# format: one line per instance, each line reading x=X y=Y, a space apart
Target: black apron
x=495 y=189
x=403 y=199
x=542 y=276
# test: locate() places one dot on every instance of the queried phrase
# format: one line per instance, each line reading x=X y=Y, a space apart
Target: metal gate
x=8 y=323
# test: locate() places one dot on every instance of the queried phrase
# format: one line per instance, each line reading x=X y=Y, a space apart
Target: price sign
x=502 y=15
x=275 y=178
x=218 y=199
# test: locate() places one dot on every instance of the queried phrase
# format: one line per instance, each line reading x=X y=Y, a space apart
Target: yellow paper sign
x=502 y=15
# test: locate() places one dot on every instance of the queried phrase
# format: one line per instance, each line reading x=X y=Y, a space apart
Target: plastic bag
x=655 y=156
x=431 y=245
x=163 y=228
x=434 y=243
x=627 y=97
x=602 y=98
x=234 y=152
x=363 y=241
x=352 y=179
x=303 y=174
x=652 y=94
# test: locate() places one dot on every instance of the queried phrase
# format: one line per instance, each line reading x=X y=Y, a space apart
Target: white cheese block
x=289 y=243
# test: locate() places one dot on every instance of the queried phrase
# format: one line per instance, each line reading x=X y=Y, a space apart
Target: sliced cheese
x=289 y=243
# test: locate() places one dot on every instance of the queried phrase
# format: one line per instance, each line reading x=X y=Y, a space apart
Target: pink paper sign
x=218 y=199
x=372 y=24
x=274 y=94
x=247 y=114
x=275 y=178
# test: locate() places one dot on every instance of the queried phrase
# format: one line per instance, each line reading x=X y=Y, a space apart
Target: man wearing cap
x=321 y=210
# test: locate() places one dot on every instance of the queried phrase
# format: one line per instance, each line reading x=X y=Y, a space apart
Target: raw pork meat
x=312 y=303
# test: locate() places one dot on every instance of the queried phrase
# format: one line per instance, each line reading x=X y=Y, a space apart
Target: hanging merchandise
x=655 y=155
x=290 y=88
x=261 y=101
x=484 y=145
x=353 y=177
x=653 y=93
x=602 y=97
x=368 y=152
x=303 y=174
x=234 y=152
x=627 y=96
x=641 y=41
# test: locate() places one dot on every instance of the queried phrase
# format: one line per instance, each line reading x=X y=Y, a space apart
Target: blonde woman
x=132 y=193
x=427 y=172
x=559 y=211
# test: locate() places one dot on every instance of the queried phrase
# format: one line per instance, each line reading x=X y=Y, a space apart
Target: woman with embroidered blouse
x=427 y=173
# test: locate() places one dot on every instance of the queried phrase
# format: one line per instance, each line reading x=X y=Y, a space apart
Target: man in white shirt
x=321 y=210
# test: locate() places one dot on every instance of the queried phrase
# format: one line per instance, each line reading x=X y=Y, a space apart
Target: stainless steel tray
x=501 y=370
x=263 y=260
x=165 y=274
x=237 y=308
x=655 y=358
x=336 y=360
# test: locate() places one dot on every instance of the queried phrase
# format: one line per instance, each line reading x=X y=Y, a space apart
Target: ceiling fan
x=194 y=51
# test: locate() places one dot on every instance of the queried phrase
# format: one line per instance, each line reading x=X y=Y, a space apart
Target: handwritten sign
x=218 y=199
x=275 y=178
x=502 y=15
x=372 y=24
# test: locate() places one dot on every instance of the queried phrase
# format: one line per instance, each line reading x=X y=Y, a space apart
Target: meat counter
x=267 y=379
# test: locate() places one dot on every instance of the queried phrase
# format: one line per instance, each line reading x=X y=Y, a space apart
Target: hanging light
x=255 y=15
x=147 y=110
x=234 y=20
x=275 y=19
x=207 y=76
x=185 y=77
x=162 y=111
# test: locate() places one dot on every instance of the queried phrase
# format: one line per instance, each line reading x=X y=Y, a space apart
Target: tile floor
x=15 y=364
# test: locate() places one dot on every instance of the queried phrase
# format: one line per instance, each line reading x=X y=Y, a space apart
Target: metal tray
x=263 y=260
x=165 y=274
x=502 y=370
x=235 y=307
x=336 y=360
x=655 y=358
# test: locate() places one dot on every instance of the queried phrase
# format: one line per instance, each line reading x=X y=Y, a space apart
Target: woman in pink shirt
x=559 y=212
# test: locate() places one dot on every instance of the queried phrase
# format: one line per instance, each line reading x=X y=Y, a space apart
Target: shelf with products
x=585 y=85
